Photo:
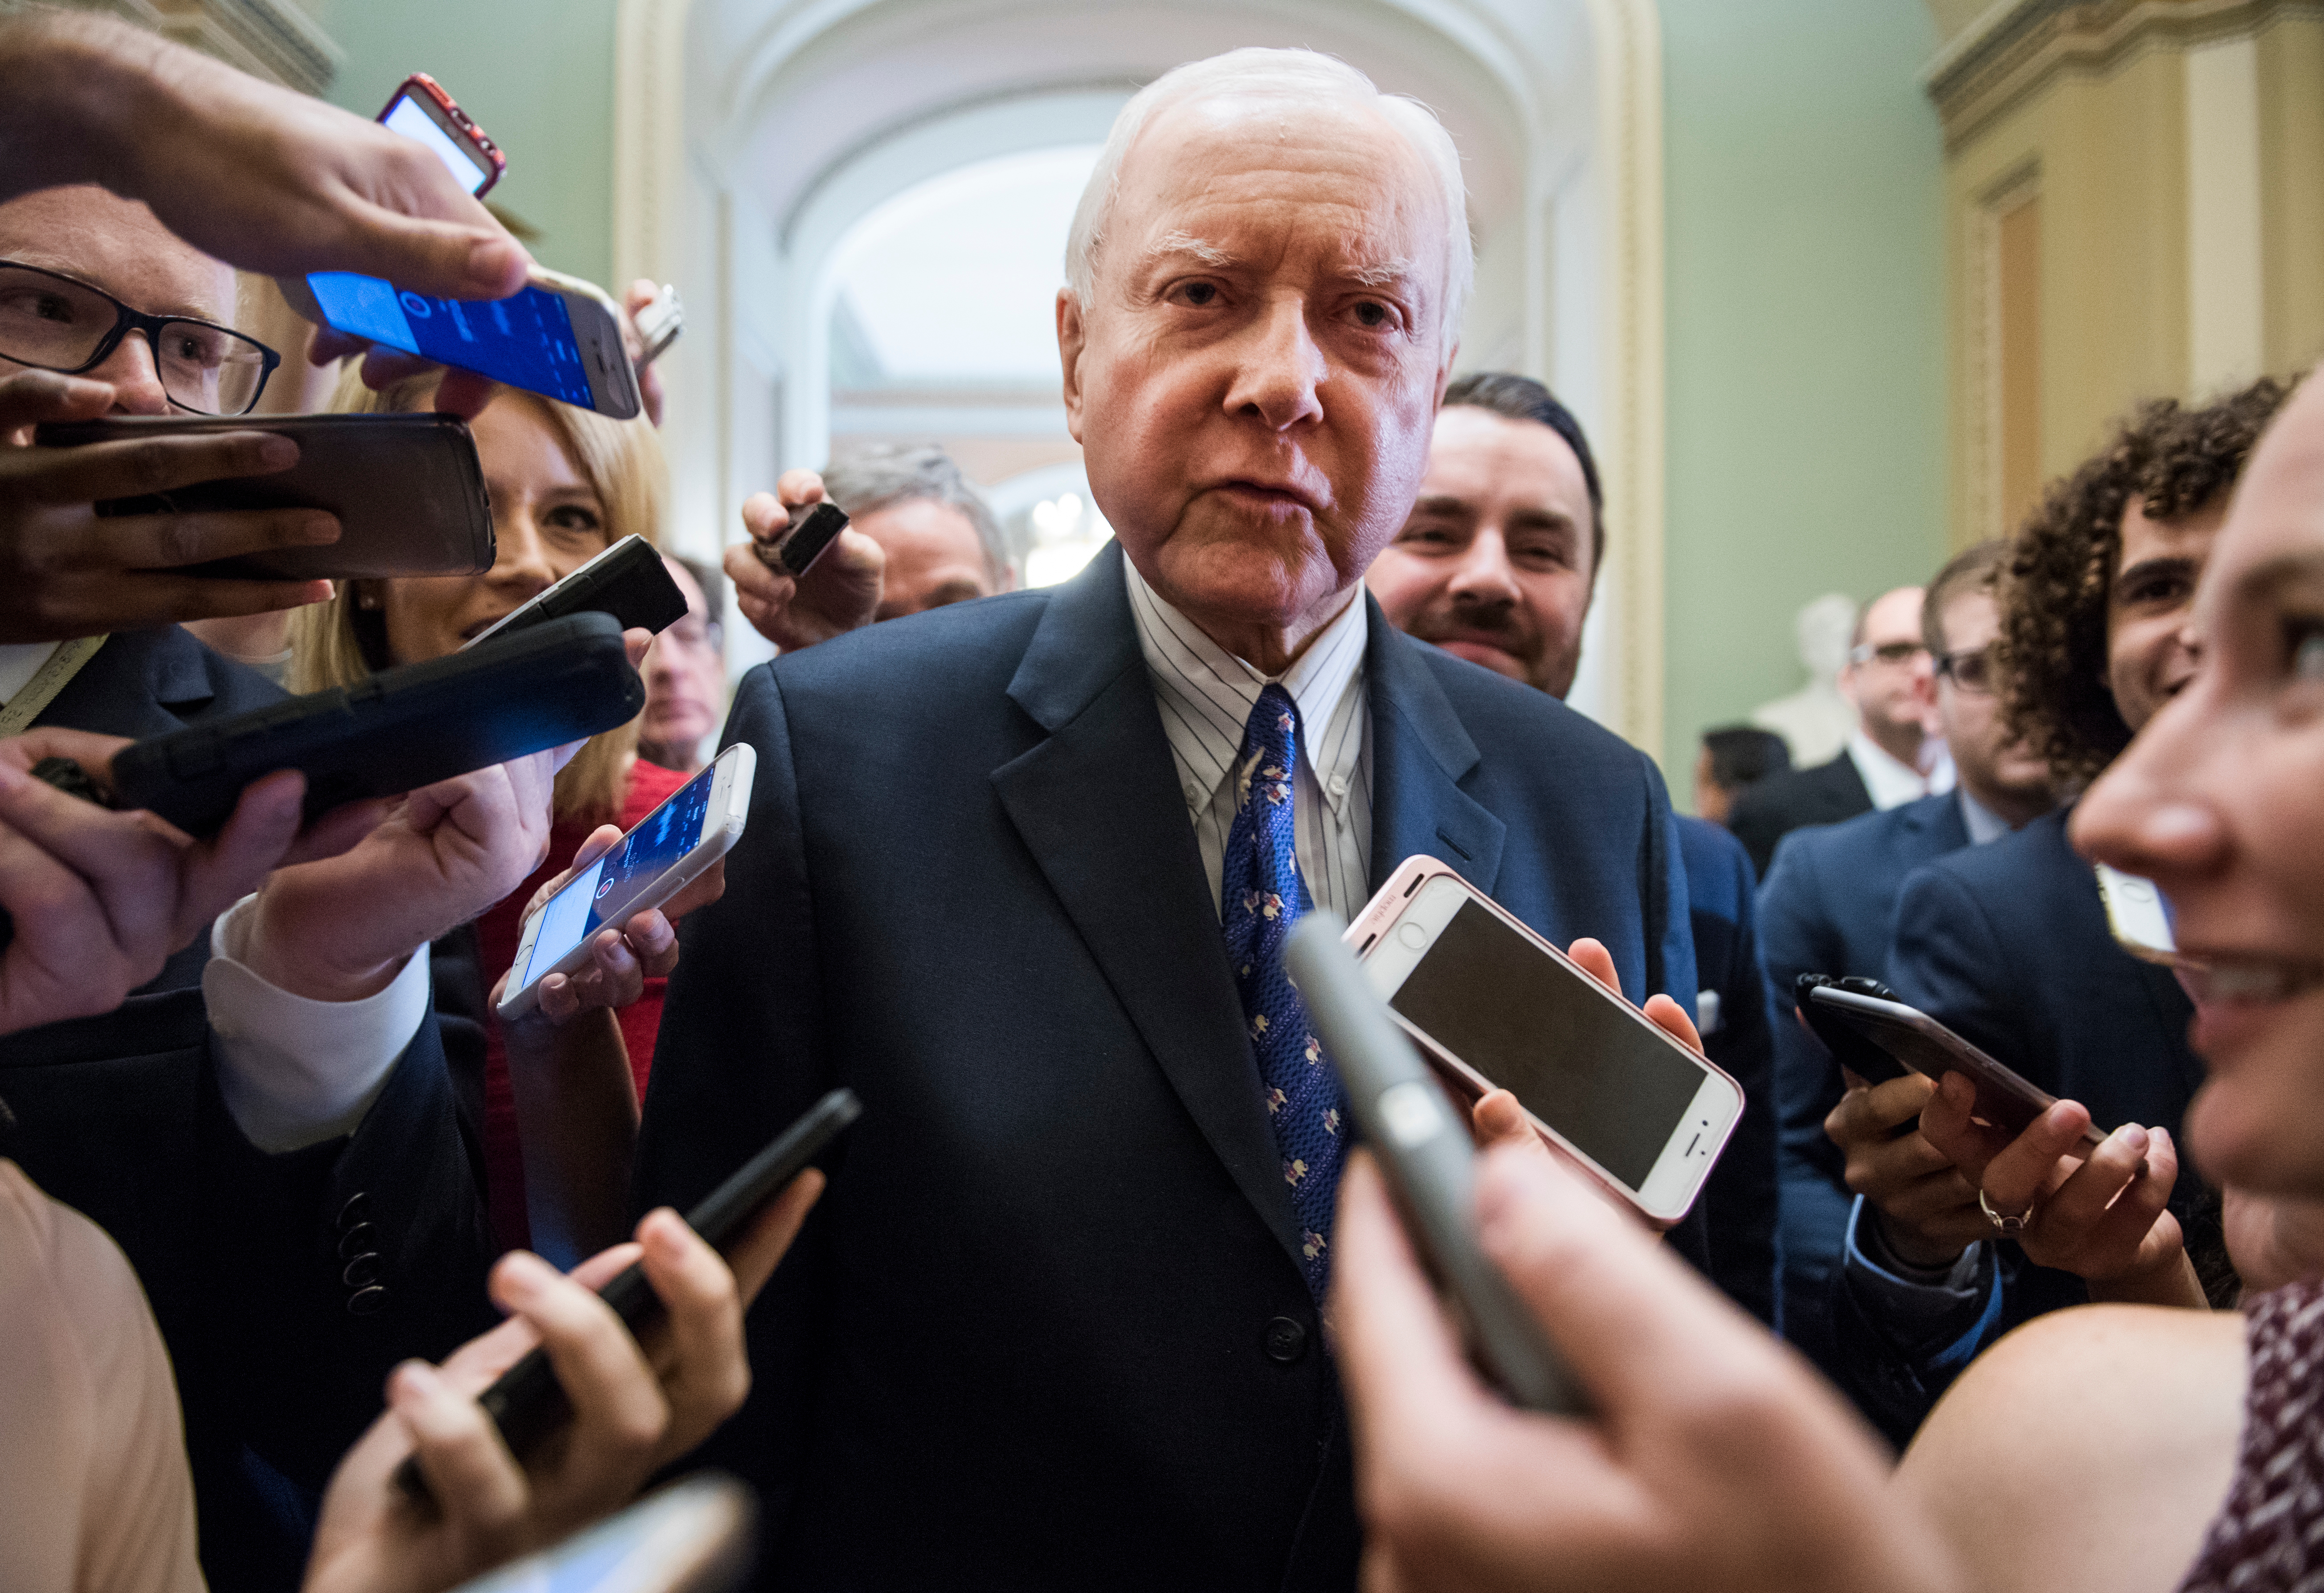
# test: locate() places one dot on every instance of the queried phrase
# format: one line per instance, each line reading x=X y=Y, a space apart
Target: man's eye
x=2158 y=592
x=1372 y=313
x=1200 y=295
x=2307 y=639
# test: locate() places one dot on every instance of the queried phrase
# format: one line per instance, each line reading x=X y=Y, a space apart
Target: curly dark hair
x=2173 y=462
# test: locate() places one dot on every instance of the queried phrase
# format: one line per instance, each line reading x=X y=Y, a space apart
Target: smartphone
x=693 y=1536
x=2140 y=917
x=402 y=729
x=407 y=489
x=528 y=1404
x=1504 y=1008
x=2005 y=1098
x=1428 y=1158
x=561 y=337
x=421 y=110
x=696 y=826
x=1849 y=1046
x=814 y=527
x=628 y=581
x=659 y=324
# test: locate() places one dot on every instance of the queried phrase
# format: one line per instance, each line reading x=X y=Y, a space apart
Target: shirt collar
x=1984 y=823
x=1206 y=693
x=1890 y=783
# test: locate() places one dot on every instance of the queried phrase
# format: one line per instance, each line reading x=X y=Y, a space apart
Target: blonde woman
x=565 y=485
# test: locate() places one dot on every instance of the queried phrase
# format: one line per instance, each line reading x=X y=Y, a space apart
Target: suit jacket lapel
x=1420 y=753
x=1099 y=806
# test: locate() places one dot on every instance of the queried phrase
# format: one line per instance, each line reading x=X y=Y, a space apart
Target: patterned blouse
x=2269 y=1535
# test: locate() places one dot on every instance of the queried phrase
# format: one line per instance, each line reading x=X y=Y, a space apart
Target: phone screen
x=1543 y=1032
x=406 y=116
x=526 y=341
x=667 y=835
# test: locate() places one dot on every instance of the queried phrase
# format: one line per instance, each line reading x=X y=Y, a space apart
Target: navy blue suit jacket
x=1827 y=907
x=1738 y=1199
x=2007 y=946
x=251 y=1262
x=1048 y=1328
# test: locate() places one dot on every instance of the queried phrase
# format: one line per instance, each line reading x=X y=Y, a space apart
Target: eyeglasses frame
x=127 y=320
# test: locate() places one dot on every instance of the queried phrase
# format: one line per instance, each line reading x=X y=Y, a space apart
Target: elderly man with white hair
x=1017 y=871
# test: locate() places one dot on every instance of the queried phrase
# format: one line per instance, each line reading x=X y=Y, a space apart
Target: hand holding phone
x=670 y=849
x=1498 y=1007
x=1425 y=1154
x=528 y=1404
x=68 y=571
x=404 y=493
x=841 y=588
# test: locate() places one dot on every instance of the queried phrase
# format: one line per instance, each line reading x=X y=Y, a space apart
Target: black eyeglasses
x=60 y=324
x=1887 y=652
x=1976 y=671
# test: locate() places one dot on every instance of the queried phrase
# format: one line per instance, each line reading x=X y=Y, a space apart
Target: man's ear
x=1073 y=337
x=1445 y=370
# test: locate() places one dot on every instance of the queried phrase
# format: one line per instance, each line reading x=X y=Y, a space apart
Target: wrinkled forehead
x=117 y=244
x=1282 y=166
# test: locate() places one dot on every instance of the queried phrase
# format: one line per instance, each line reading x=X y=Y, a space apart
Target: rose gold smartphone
x=1495 y=1006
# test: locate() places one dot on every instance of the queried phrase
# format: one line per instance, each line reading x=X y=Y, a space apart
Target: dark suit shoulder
x=2036 y=858
x=938 y=653
x=1492 y=707
x=149 y=683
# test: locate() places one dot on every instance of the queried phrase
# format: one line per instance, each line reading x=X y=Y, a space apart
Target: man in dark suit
x=1828 y=905
x=1017 y=871
x=1890 y=758
x=1497 y=564
x=2008 y=944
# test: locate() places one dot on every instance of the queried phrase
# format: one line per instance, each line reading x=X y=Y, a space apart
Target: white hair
x=1277 y=72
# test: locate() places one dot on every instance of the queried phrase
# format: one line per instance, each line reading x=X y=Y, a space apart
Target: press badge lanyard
x=51 y=678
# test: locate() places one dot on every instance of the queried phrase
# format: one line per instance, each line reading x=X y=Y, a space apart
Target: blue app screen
x=526 y=341
x=574 y=914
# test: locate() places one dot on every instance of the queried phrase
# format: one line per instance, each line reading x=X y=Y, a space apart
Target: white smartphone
x=695 y=827
x=559 y=336
x=693 y=1536
x=1499 y=1007
x=659 y=324
x=2139 y=916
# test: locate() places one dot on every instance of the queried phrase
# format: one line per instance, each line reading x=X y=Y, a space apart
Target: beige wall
x=2177 y=149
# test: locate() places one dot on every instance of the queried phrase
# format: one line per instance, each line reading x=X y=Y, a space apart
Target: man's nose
x=136 y=384
x=1278 y=367
x=1484 y=575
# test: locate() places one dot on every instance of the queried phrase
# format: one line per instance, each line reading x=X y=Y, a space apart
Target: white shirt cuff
x=296 y=1072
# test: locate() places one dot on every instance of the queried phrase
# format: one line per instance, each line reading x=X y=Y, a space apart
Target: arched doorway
x=750 y=135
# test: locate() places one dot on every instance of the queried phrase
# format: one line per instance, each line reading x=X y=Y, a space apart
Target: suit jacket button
x=356 y=1240
x=1287 y=1340
x=368 y=1302
x=362 y=1272
x=358 y=1207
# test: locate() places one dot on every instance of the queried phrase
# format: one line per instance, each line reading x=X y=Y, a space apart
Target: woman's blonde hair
x=339 y=642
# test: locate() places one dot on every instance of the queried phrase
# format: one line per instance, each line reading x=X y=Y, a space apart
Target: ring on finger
x=2003 y=1223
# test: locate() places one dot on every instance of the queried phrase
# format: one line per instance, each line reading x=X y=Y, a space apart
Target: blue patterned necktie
x=1261 y=897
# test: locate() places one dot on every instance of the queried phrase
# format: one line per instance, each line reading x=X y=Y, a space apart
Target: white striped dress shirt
x=1206 y=694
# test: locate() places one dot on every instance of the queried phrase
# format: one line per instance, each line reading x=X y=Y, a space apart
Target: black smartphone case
x=1853 y=1050
x=631 y=584
x=407 y=489
x=404 y=728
